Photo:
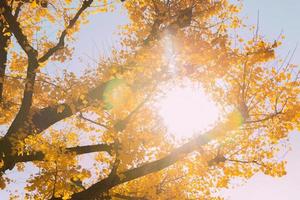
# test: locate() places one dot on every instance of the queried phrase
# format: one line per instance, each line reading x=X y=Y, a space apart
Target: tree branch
x=78 y=150
x=182 y=20
x=92 y=121
x=18 y=9
x=121 y=196
x=4 y=41
x=43 y=118
x=61 y=41
x=22 y=115
x=246 y=161
x=33 y=64
x=104 y=185
x=15 y=28
x=268 y=117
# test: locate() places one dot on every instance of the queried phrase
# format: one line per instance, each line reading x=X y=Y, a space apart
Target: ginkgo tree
x=106 y=118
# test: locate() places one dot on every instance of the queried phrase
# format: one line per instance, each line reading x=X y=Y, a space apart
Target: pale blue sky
x=275 y=16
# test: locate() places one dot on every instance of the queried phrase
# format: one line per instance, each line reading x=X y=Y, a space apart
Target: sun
x=186 y=110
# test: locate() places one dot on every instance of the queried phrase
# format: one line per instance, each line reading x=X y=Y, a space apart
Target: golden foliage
x=109 y=113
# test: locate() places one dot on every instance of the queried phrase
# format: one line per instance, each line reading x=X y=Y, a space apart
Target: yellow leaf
x=60 y=108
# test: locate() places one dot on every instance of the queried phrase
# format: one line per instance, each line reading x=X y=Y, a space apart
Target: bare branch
x=92 y=121
x=246 y=161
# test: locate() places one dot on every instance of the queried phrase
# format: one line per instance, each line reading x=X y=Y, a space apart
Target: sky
x=275 y=16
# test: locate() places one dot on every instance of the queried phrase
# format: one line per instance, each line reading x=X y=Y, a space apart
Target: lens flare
x=187 y=110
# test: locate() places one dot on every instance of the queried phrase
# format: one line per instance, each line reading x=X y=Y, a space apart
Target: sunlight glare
x=187 y=110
